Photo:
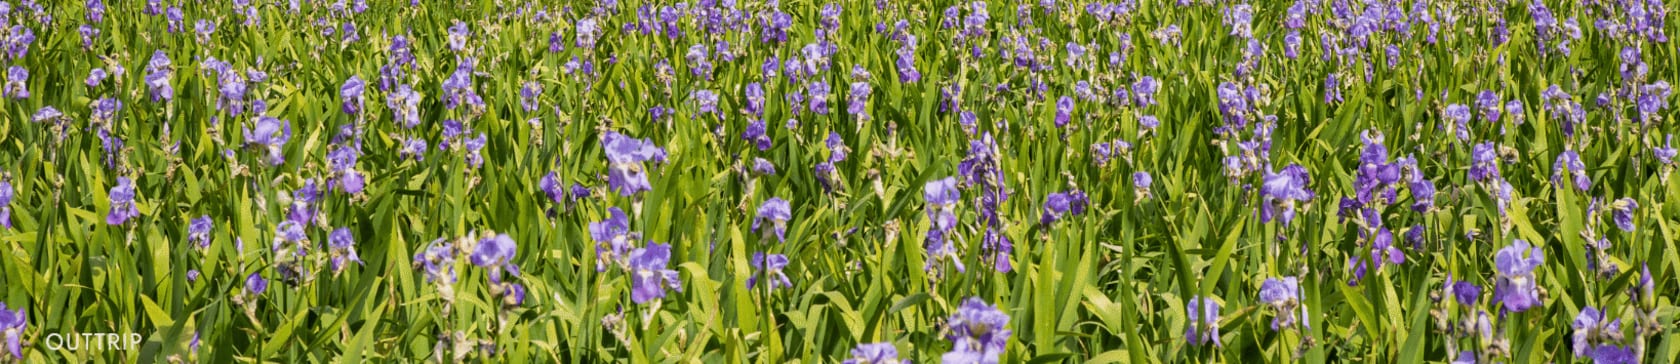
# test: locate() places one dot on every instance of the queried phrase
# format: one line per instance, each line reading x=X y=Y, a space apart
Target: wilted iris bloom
x=612 y=238
x=12 y=324
x=122 y=202
x=198 y=231
x=496 y=254
x=770 y=265
x=1622 y=212
x=648 y=275
x=1062 y=204
x=875 y=353
x=978 y=332
x=271 y=134
x=1203 y=313
x=1592 y=327
x=1283 y=296
x=776 y=211
x=1516 y=288
x=626 y=174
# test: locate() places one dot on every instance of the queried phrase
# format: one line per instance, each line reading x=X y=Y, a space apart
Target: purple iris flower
x=1592 y=326
x=255 y=284
x=405 y=106
x=755 y=99
x=1665 y=154
x=707 y=100
x=942 y=196
x=587 y=29
x=1571 y=160
x=122 y=202
x=457 y=36
x=625 y=155
x=496 y=253
x=198 y=231
x=12 y=325
x=17 y=83
x=1611 y=354
x=1062 y=204
x=1382 y=251
x=6 y=196
x=1143 y=91
x=270 y=133
x=1064 y=111
x=1282 y=190
x=1458 y=113
x=1203 y=314
x=1466 y=293
x=756 y=132
x=550 y=185
x=978 y=332
x=413 y=148
x=771 y=265
x=1484 y=162
x=1622 y=212
x=96 y=77
x=1515 y=108
x=528 y=94
x=1516 y=288
x=343 y=247
x=438 y=261
x=612 y=238
x=875 y=353
x=95 y=11
x=818 y=92
x=777 y=212
x=648 y=275
x=458 y=87
x=763 y=166
x=351 y=93
x=1488 y=102
x=1283 y=296
x=857 y=100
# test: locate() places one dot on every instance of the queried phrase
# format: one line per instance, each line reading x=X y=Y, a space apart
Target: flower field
x=1178 y=181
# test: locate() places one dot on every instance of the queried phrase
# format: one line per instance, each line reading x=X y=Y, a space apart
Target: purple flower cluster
x=978 y=332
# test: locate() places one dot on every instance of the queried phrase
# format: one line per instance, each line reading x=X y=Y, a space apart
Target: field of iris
x=1381 y=181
